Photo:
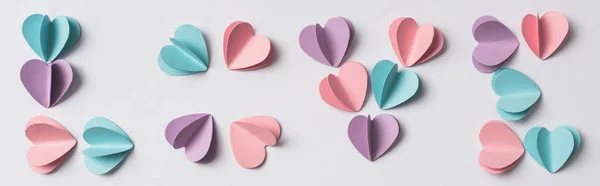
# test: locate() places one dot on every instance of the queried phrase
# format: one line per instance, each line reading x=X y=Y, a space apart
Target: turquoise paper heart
x=109 y=145
x=517 y=93
x=392 y=88
x=187 y=55
x=51 y=39
x=552 y=149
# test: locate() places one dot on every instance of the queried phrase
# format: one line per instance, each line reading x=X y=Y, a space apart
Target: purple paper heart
x=496 y=44
x=329 y=44
x=46 y=83
x=372 y=138
x=194 y=132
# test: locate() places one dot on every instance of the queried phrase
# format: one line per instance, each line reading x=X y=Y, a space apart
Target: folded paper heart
x=502 y=149
x=413 y=44
x=329 y=44
x=249 y=137
x=553 y=149
x=372 y=138
x=390 y=87
x=109 y=145
x=245 y=51
x=51 y=144
x=348 y=90
x=47 y=83
x=50 y=39
x=518 y=94
x=187 y=55
x=544 y=34
x=194 y=132
x=496 y=43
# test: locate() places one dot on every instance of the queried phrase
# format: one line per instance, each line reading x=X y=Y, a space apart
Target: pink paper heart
x=51 y=144
x=249 y=137
x=413 y=44
x=502 y=149
x=544 y=35
x=245 y=51
x=348 y=90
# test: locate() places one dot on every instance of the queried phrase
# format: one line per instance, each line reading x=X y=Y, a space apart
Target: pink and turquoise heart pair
x=347 y=91
x=48 y=79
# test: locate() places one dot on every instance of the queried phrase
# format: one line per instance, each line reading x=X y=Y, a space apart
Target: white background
x=116 y=63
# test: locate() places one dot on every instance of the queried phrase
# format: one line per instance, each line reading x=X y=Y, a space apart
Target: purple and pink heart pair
x=48 y=79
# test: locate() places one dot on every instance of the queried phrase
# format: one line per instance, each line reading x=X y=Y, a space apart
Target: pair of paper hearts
x=50 y=39
x=51 y=144
x=109 y=145
x=187 y=55
x=552 y=150
x=329 y=44
x=47 y=83
x=194 y=132
x=502 y=149
x=245 y=51
x=496 y=43
x=412 y=44
x=518 y=93
x=373 y=137
x=544 y=34
x=47 y=80
x=347 y=91
x=249 y=137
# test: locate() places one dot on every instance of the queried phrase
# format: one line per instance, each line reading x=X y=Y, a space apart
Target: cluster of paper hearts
x=194 y=132
x=51 y=144
x=48 y=79
x=109 y=145
x=373 y=137
x=187 y=55
x=412 y=44
x=348 y=90
x=502 y=149
x=329 y=44
x=518 y=94
x=496 y=43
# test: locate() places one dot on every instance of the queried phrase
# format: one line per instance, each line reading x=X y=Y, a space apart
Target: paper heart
x=348 y=90
x=194 y=132
x=372 y=138
x=46 y=83
x=496 y=43
x=245 y=51
x=50 y=39
x=553 y=149
x=51 y=144
x=517 y=93
x=329 y=44
x=544 y=35
x=502 y=149
x=413 y=44
x=187 y=55
x=109 y=145
x=249 y=137
x=390 y=87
